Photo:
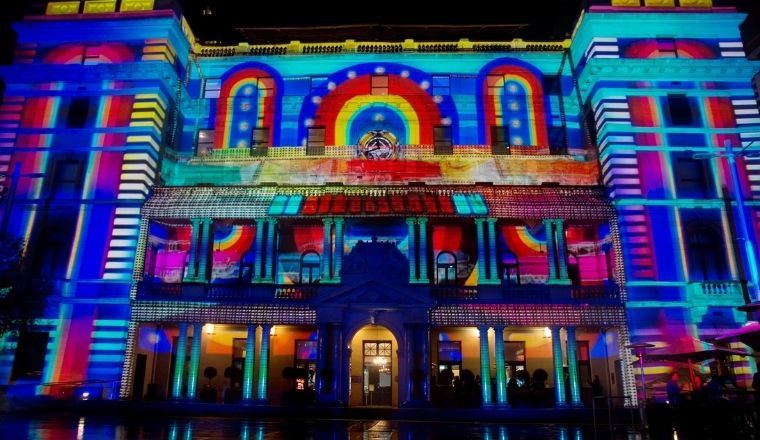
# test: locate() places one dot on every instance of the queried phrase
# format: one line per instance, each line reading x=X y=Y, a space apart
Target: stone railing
x=255 y=293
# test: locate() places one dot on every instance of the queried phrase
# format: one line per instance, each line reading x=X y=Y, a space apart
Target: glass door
x=377 y=374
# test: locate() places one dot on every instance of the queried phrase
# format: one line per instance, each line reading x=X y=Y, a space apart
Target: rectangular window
x=79 y=110
x=680 y=110
x=29 y=359
x=315 y=141
x=442 y=140
x=692 y=178
x=584 y=362
x=495 y=84
x=260 y=138
x=52 y=247
x=213 y=88
x=379 y=85
x=305 y=364
x=499 y=139
x=441 y=85
x=666 y=47
x=449 y=358
x=514 y=357
x=67 y=179
x=205 y=142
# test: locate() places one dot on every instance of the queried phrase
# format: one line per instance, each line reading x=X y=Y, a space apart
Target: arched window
x=705 y=254
x=446 y=268
x=573 y=269
x=245 y=274
x=310 y=267
x=510 y=268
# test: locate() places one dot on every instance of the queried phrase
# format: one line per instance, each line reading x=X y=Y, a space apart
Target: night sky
x=543 y=19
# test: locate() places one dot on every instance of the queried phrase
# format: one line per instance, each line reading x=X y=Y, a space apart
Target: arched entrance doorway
x=374 y=367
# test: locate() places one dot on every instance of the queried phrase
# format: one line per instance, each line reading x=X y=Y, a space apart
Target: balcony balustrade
x=514 y=293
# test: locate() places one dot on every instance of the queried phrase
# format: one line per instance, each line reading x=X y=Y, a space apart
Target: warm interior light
x=547 y=332
x=273 y=331
x=209 y=329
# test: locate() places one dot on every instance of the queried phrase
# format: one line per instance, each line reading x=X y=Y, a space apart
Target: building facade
x=376 y=223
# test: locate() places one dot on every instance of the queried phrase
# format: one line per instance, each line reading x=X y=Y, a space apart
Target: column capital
x=492 y=219
x=327 y=220
x=479 y=220
x=483 y=328
x=411 y=221
x=260 y=221
x=338 y=220
x=499 y=328
x=422 y=220
x=272 y=220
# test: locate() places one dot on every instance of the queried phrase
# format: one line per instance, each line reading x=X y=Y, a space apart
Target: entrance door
x=377 y=372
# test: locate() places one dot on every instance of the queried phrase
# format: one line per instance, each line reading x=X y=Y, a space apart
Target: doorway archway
x=374 y=367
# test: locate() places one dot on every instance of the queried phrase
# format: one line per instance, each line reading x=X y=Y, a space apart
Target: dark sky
x=544 y=19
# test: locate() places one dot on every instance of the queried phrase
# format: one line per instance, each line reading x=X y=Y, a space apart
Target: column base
x=489 y=282
x=560 y=282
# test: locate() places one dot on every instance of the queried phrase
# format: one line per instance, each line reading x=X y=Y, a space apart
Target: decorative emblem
x=378 y=145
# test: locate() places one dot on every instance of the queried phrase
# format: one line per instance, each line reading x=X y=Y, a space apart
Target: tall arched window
x=310 y=267
x=705 y=254
x=446 y=268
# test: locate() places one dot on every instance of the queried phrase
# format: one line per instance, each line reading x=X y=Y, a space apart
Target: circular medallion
x=378 y=145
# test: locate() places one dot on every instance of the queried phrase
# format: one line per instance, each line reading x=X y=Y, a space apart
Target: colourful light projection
x=668 y=48
x=511 y=99
x=232 y=254
x=376 y=96
x=250 y=100
x=524 y=254
x=169 y=245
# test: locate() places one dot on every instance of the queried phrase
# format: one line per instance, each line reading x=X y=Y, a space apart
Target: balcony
x=244 y=293
x=529 y=294
x=715 y=293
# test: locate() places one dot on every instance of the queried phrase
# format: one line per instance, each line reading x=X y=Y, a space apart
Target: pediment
x=374 y=293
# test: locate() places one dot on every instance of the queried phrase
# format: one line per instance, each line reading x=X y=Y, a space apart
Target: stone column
x=179 y=364
x=250 y=354
x=485 y=366
x=482 y=261
x=501 y=381
x=195 y=361
x=561 y=250
x=551 y=249
x=340 y=373
x=572 y=367
x=408 y=342
x=203 y=250
x=424 y=335
x=270 y=263
x=412 y=250
x=424 y=257
x=338 y=252
x=493 y=276
x=323 y=360
x=325 y=262
x=264 y=363
x=258 y=250
x=559 y=371
x=192 y=262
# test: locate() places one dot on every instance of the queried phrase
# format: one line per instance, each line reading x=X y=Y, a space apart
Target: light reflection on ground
x=62 y=427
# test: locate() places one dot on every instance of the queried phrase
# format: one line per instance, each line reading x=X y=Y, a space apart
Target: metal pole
x=747 y=248
x=642 y=406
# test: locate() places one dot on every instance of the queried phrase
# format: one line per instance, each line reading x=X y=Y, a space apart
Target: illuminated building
x=369 y=213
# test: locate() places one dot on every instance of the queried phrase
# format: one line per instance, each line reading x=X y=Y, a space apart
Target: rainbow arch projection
x=511 y=96
x=345 y=105
x=653 y=48
x=108 y=53
x=250 y=98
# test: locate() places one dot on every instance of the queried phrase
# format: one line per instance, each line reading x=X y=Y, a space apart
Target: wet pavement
x=64 y=427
